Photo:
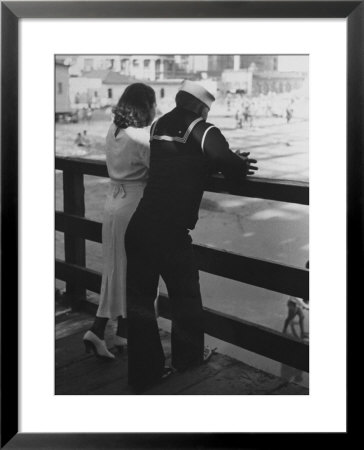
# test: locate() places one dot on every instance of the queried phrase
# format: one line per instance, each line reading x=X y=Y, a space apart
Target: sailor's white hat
x=198 y=91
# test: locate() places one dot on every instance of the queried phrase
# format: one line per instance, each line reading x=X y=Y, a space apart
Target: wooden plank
x=278 y=190
x=257 y=339
x=253 y=337
x=290 y=389
x=179 y=383
x=61 y=312
x=240 y=379
x=82 y=166
x=70 y=349
x=85 y=278
x=83 y=376
x=78 y=226
x=72 y=325
x=75 y=248
x=276 y=277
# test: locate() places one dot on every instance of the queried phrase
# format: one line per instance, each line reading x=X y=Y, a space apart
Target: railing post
x=75 y=247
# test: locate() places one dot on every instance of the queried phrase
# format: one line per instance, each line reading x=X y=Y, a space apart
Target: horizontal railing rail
x=264 y=188
x=270 y=275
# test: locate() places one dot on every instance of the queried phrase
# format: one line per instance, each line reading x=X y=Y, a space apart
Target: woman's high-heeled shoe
x=98 y=346
x=120 y=343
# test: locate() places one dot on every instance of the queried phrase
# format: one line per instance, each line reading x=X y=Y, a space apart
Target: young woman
x=127 y=160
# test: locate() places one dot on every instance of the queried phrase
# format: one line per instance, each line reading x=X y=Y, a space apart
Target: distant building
x=259 y=62
x=88 y=63
x=235 y=81
x=62 y=97
x=142 y=67
x=151 y=67
x=159 y=67
x=99 y=80
x=278 y=82
x=261 y=82
x=156 y=67
x=114 y=85
x=217 y=64
x=85 y=90
x=100 y=88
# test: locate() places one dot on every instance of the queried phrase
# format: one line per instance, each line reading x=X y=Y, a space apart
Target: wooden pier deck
x=78 y=373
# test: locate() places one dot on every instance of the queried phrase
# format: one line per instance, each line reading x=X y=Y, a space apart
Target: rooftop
x=100 y=74
x=117 y=78
x=61 y=62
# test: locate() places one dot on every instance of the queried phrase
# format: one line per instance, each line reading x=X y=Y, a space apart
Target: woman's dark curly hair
x=134 y=108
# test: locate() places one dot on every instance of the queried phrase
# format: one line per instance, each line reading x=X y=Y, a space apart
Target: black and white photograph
x=182 y=224
x=178 y=180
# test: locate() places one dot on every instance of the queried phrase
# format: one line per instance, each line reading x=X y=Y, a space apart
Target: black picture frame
x=11 y=13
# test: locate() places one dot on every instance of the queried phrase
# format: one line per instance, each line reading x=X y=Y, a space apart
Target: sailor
x=184 y=149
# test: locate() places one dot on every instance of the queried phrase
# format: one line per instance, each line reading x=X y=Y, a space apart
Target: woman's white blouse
x=128 y=154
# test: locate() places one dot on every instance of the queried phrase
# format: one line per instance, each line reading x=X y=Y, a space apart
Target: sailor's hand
x=250 y=169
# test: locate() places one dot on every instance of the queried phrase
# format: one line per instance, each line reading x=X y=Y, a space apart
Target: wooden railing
x=265 y=274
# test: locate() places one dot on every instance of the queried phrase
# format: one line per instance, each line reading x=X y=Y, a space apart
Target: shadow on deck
x=78 y=373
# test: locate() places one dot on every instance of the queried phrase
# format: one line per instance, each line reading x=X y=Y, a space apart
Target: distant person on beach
x=184 y=148
x=295 y=309
x=247 y=114
x=228 y=101
x=296 y=306
x=239 y=118
x=86 y=140
x=79 y=140
x=127 y=160
x=82 y=140
x=88 y=114
x=289 y=112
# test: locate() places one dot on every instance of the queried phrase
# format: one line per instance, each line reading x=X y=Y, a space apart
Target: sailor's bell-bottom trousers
x=153 y=252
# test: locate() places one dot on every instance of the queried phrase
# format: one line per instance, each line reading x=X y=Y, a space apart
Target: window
x=109 y=93
x=146 y=63
x=124 y=64
x=228 y=61
x=162 y=93
x=59 y=88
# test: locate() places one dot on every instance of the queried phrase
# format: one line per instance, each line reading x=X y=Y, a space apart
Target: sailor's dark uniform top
x=184 y=148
